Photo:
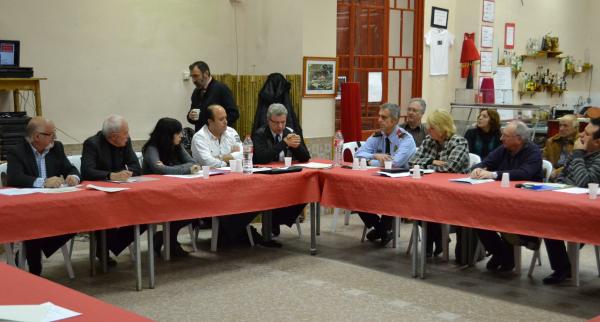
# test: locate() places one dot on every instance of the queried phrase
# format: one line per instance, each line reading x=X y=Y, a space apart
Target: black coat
x=216 y=93
x=22 y=168
x=96 y=163
x=266 y=150
x=275 y=90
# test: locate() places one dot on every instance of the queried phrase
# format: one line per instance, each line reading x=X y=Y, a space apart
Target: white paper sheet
x=23 y=313
x=135 y=179
x=28 y=191
x=375 y=87
x=486 y=62
x=55 y=312
x=574 y=190
x=489 y=13
x=315 y=165
x=212 y=172
x=105 y=189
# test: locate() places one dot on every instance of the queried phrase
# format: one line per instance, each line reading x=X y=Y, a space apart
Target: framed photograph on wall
x=488 y=13
x=439 y=17
x=509 y=35
x=319 y=77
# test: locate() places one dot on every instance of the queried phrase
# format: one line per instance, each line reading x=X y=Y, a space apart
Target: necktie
x=387 y=146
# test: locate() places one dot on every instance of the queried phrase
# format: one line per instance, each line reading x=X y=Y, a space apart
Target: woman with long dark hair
x=484 y=138
x=163 y=154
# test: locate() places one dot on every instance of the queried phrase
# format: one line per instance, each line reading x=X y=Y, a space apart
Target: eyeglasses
x=48 y=134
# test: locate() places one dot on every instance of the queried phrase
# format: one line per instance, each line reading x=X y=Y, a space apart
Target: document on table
x=135 y=179
x=105 y=189
x=536 y=186
x=574 y=190
x=196 y=175
x=45 y=312
x=28 y=191
x=471 y=180
x=395 y=175
x=315 y=165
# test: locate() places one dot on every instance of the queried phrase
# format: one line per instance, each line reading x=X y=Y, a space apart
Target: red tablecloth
x=21 y=288
x=40 y=215
x=434 y=198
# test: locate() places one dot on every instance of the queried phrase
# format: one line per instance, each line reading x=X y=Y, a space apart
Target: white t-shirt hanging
x=439 y=42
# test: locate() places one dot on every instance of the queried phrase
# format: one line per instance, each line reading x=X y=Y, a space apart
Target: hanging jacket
x=275 y=90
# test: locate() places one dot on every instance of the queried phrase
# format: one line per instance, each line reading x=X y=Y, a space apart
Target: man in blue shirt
x=394 y=144
x=522 y=160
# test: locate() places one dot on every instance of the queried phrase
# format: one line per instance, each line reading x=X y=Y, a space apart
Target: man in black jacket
x=109 y=155
x=40 y=162
x=272 y=143
x=208 y=92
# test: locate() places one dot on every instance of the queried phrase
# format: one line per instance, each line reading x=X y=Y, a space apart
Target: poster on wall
x=375 y=87
x=319 y=77
x=487 y=37
x=488 y=14
x=486 y=62
x=509 y=35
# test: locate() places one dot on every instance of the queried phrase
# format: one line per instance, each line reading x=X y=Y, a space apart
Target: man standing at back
x=209 y=92
x=40 y=162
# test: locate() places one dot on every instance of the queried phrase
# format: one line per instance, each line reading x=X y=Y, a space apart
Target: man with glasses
x=40 y=162
x=209 y=92
x=522 y=160
x=413 y=125
x=272 y=143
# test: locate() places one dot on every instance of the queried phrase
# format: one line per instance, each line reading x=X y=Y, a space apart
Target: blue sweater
x=525 y=165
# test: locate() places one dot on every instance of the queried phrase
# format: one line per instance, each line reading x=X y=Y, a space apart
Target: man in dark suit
x=272 y=143
x=209 y=92
x=40 y=162
x=109 y=155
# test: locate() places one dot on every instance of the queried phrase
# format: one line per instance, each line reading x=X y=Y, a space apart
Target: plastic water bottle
x=338 y=148
x=247 y=155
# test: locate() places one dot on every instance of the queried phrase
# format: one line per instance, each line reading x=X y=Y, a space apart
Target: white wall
x=127 y=56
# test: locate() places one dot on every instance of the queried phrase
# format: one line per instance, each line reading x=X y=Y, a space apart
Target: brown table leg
x=38 y=99
x=16 y=102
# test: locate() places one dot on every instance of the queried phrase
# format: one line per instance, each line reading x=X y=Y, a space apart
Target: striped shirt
x=581 y=168
x=40 y=160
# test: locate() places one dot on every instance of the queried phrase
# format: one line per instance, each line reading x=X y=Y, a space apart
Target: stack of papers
x=45 y=312
x=213 y=172
x=471 y=180
x=135 y=179
x=395 y=175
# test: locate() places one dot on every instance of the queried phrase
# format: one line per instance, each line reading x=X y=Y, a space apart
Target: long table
x=434 y=198
x=20 y=288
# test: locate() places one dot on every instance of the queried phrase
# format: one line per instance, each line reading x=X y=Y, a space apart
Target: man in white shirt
x=216 y=143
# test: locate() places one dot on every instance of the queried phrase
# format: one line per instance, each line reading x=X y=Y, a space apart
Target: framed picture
x=487 y=37
x=509 y=35
x=319 y=77
x=488 y=13
x=439 y=17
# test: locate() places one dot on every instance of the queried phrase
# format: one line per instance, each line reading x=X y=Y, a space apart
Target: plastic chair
x=548 y=168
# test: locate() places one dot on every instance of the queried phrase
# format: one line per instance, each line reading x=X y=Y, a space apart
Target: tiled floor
x=346 y=281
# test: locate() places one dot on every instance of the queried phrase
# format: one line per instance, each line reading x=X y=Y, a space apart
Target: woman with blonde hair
x=443 y=151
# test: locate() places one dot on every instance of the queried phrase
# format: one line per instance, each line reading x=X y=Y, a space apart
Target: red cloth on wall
x=487 y=90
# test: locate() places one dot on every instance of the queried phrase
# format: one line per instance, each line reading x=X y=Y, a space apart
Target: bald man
x=40 y=161
x=560 y=146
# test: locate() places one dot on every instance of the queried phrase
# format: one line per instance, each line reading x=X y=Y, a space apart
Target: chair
x=548 y=168
x=352 y=147
x=12 y=248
